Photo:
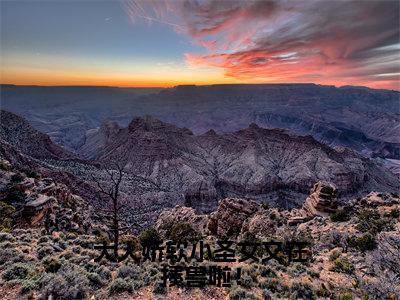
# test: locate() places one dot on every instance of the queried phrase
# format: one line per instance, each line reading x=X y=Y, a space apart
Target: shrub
x=76 y=249
x=16 y=271
x=246 y=281
x=239 y=294
x=149 y=237
x=333 y=239
x=6 y=211
x=10 y=255
x=44 y=251
x=85 y=241
x=68 y=283
x=362 y=243
x=302 y=291
x=5 y=236
x=70 y=236
x=370 y=220
x=128 y=272
x=44 y=239
x=26 y=238
x=342 y=265
x=31 y=173
x=51 y=265
x=5 y=165
x=267 y=272
x=313 y=274
x=104 y=272
x=265 y=205
x=266 y=295
x=334 y=255
x=340 y=215
x=17 y=178
x=95 y=280
x=345 y=296
x=152 y=271
x=158 y=288
x=394 y=213
x=119 y=285
x=29 y=285
x=67 y=255
x=183 y=232
x=15 y=196
x=273 y=284
x=323 y=292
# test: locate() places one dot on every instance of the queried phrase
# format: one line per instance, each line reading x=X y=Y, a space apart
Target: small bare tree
x=111 y=193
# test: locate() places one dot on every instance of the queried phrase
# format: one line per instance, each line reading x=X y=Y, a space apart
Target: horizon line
x=199 y=85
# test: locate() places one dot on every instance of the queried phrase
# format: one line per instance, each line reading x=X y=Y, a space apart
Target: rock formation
x=19 y=133
x=181 y=214
x=168 y=165
x=227 y=221
x=360 y=118
x=322 y=200
x=260 y=164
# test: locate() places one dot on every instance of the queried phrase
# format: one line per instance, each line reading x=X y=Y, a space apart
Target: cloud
x=334 y=42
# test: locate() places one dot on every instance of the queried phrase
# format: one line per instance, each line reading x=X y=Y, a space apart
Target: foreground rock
x=227 y=221
x=322 y=200
x=42 y=201
x=180 y=214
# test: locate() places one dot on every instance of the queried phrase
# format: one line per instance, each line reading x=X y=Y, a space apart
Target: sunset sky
x=165 y=43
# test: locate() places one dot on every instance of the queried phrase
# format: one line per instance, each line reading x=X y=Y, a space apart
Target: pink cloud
x=333 y=42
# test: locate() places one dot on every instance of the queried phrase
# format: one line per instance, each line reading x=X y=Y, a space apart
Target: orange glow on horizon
x=117 y=80
x=163 y=80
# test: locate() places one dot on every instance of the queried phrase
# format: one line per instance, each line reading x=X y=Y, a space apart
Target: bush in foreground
x=119 y=286
x=183 y=232
x=340 y=216
x=17 y=271
x=362 y=243
x=149 y=236
x=68 y=283
x=342 y=265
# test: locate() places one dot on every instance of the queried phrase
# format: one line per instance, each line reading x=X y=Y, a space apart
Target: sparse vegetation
x=394 y=213
x=14 y=196
x=183 y=232
x=68 y=283
x=343 y=265
x=369 y=220
x=120 y=285
x=6 y=212
x=340 y=215
x=158 y=288
x=17 y=178
x=4 y=165
x=149 y=236
x=131 y=272
x=95 y=280
x=44 y=251
x=17 y=271
x=334 y=255
x=238 y=293
x=31 y=173
x=246 y=281
x=52 y=265
x=345 y=296
x=302 y=291
x=363 y=243
x=60 y=264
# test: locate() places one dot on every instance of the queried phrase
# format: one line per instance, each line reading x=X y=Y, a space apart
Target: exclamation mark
x=238 y=274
